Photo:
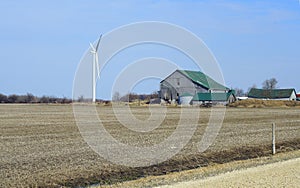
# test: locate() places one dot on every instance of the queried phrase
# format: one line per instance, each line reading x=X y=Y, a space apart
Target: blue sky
x=42 y=42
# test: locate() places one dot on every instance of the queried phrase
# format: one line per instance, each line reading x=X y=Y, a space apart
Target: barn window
x=178 y=81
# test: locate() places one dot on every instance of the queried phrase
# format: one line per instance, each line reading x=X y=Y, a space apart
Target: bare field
x=42 y=147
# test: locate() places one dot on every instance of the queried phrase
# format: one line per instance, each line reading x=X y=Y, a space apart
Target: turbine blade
x=98 y=43
x=93 y=48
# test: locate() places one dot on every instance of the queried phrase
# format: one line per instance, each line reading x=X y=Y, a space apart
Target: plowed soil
x=41 y=145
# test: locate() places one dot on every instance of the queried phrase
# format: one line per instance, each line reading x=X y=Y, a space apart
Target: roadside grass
x=203 y=172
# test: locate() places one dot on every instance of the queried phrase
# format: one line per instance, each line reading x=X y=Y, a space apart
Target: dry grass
x=279 y=174
x=42 y=147
x=203 y=173
x=255 y=103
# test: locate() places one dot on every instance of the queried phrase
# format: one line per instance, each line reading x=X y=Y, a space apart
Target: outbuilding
x=298 y=96
x=214 y=98
x=273 y=94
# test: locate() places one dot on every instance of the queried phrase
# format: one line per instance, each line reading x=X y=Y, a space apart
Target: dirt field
x=42 y=147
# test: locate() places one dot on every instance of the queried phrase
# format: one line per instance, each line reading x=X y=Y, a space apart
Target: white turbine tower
x=94 y=51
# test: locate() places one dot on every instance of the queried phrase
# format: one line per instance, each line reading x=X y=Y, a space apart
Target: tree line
x=129 y=97
x=30 y=98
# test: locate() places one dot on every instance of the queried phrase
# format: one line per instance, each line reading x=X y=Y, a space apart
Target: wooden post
x=273 y=139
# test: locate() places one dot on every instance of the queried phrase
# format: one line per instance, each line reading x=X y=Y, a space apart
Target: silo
x=185 y=99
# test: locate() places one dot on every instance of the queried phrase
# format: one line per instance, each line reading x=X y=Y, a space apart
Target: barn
x=273 y=94
x=193 y=87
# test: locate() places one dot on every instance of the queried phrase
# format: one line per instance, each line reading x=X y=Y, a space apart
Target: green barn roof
x=202 y=79
x=211 y=96
x=270 y=93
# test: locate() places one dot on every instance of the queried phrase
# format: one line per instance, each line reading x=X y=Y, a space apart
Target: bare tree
x=239 y=92
x=80 y=99
x=44 y=99
x=12 y=98
x=3 y=98
x=273 y=83
x=270 y=83
x=30 y=98
x=116 y=97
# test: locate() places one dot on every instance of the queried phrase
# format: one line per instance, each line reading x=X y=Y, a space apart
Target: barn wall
x=293 y=96
x=231 y=99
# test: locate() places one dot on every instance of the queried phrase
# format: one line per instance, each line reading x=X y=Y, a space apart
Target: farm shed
x=184 y=85
x=298 y=96
x=273 y=94
x=203 y=98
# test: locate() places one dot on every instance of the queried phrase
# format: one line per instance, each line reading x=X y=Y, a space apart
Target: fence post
x=273 y=139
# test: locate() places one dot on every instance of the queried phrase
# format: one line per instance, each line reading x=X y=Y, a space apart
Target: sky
x=43 y=42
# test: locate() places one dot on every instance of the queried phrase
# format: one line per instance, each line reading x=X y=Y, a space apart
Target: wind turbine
x=94 y=51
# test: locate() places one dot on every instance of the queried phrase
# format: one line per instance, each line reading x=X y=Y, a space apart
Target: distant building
x=298 y=96
x=193 y=87
x=241 y=98
x=273 y=94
